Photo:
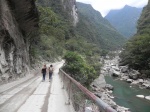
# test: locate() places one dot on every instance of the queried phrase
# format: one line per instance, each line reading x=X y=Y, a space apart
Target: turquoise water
x=126 y=96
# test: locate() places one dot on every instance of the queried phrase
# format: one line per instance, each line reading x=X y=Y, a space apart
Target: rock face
x=17 y=22
x=133 y=74
x=70 y=5
x=100 y=81
x=67 y=8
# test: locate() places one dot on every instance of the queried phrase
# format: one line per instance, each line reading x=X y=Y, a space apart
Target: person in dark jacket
x=44 y=72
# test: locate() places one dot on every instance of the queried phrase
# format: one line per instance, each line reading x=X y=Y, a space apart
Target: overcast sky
x=104 y=6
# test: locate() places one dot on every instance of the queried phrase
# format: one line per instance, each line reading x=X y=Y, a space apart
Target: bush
x=77 y=67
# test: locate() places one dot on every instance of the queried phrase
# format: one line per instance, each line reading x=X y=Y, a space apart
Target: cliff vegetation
x=136 y=53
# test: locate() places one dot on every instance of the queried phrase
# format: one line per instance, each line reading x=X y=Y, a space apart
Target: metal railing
x=82 y=99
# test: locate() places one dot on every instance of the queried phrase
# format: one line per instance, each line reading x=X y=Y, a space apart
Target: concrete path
x=32 y=95
x=58 y=98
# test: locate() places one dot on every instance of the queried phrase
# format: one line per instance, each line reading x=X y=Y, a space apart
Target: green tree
x=77 y=67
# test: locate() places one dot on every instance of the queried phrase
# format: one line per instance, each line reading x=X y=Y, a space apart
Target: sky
x=104 y=6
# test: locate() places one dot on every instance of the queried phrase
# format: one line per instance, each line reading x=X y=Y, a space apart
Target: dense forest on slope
x=137 y=51
x=125 y=20
x=93 y=27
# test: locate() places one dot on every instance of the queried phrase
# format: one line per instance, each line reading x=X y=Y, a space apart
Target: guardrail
x=82 y=99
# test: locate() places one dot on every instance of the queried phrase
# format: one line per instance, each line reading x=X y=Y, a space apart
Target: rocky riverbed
x=112 y=68
x=104 y=91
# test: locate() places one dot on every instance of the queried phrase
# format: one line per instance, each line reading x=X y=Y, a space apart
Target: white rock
x=147 y=98
x=134 y=82
x=146 y=85
x=140 y=96
x=129 y=80
x=125 y=77
x=116 y=73
x=141 y=80
x=88 y=109
x=112 y=97
x=115 y=68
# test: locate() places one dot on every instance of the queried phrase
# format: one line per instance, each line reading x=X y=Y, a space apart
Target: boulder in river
x=124 y=69
x=146 y=85
x=109 y=87
x=129 y=80
x=125 y=77
x=140 y=81
x=147 y=98
x=140 y=96
x=115 y=73
x=133 y=74
x=134 y=82
x=99 y=82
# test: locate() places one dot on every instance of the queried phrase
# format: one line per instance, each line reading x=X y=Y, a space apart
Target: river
x=126 y=95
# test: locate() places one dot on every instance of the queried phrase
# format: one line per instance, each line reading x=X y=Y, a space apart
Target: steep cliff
x=70 y=5
x=18 y=20
x=66 y=8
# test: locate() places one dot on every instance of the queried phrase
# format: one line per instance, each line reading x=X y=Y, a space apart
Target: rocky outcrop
x=66 y=8
x=18 y=20
x=70 y=5
x=99 y=82
x=133 y=74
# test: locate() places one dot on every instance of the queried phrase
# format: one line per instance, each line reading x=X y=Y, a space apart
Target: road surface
x=30 y=94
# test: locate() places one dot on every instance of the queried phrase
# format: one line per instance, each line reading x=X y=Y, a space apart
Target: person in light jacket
x=50 y=69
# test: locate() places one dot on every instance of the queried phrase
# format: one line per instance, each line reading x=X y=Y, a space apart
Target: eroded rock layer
x=18 y=20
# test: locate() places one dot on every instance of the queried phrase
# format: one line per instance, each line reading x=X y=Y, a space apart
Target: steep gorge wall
x=70 y=5
x=16 y=25
x=67 y=8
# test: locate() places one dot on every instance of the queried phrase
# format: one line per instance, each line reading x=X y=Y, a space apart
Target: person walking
x=44 y=72
x=51 y=69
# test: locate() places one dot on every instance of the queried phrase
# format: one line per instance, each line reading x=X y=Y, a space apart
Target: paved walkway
x=58 y=98
x=32 y=95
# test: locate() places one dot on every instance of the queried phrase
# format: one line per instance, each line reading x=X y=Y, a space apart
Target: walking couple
x=50 y=71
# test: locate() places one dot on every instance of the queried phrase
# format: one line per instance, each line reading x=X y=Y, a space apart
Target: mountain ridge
x=104 y=33
x=125 y=19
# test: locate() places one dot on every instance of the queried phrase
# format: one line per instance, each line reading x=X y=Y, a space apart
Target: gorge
x=49 y=30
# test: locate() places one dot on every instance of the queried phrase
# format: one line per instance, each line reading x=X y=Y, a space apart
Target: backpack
x=50 y=70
